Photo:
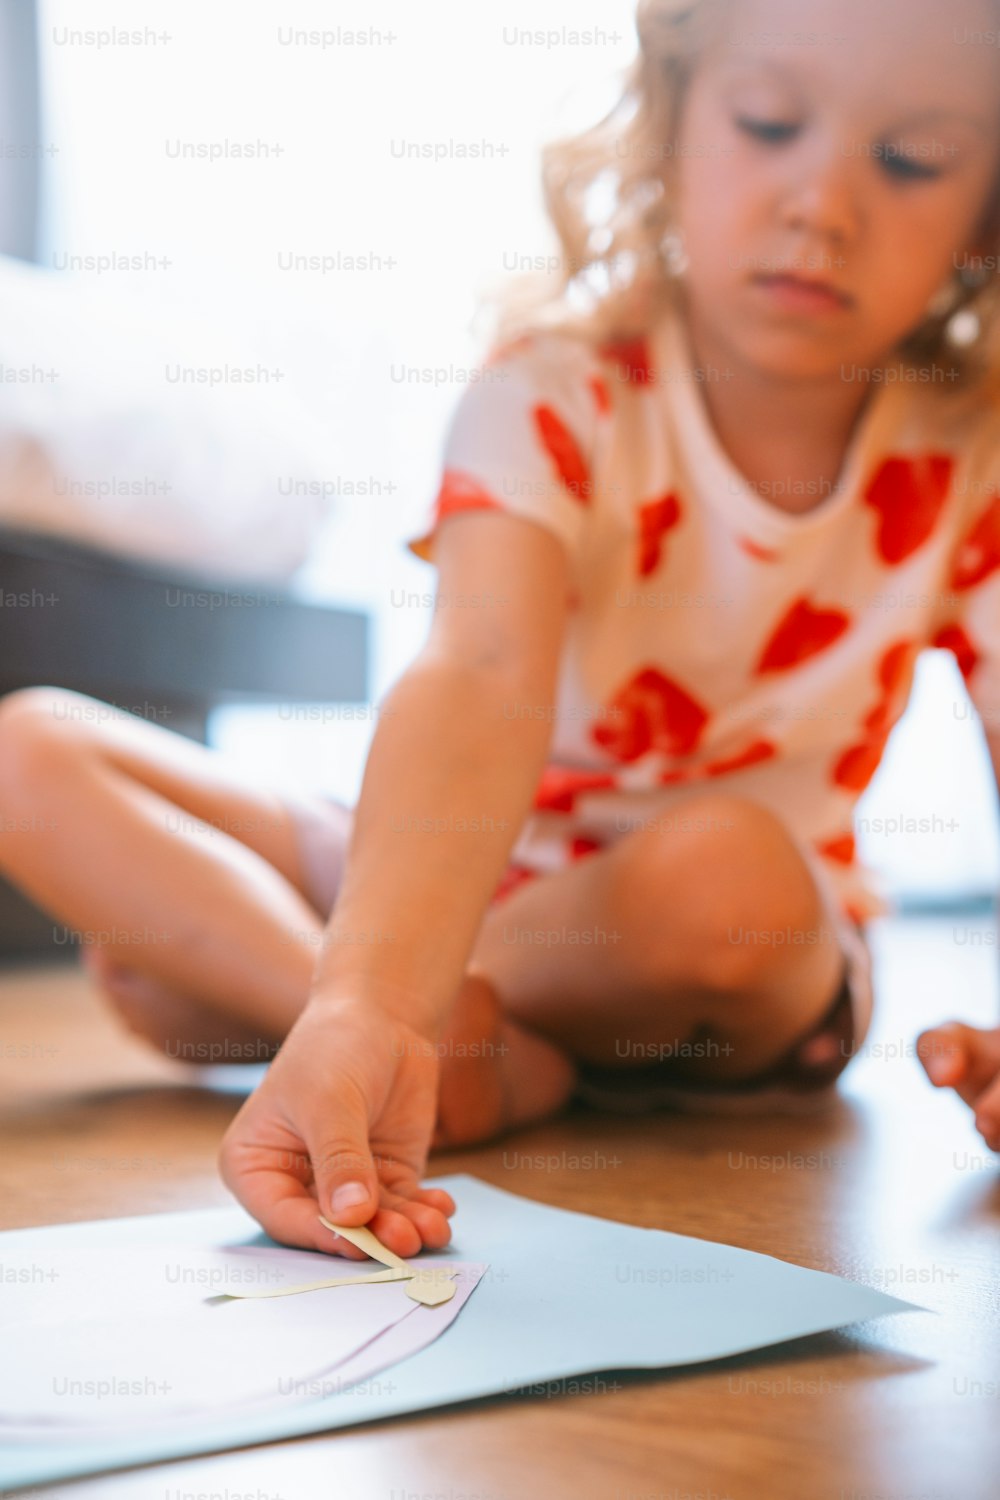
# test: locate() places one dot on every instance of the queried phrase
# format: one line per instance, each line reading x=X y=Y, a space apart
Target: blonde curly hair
x=613 y=278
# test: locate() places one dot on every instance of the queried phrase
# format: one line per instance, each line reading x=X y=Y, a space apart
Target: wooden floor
x=899 y=1192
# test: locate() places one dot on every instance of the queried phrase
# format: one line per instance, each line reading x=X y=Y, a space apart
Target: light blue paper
x=566 y=1294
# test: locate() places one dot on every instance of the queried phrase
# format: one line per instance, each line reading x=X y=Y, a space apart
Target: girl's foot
x=967 y=1060
x=184 y=1029
x=495 y=1075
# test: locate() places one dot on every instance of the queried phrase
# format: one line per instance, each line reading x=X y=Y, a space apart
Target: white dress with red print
x=716 y=639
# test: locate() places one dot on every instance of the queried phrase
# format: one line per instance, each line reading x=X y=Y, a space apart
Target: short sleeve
x=523 y=439
x=972 y=595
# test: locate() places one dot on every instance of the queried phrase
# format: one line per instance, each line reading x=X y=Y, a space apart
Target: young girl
x=712 y=495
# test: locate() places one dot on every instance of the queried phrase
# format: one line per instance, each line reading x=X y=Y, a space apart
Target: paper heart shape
x=979 y=554
x=751 y=756
x=656 y=518
x=908 y=494
x=856 y=767
x=754 y=549
x=600 y=393
x=559 y=787
x=564 y=451
x=803 y=631
x=633 y=358
x=954 y=639
x=842 y=849
x=894 y=674
x=651 y=712
x=858 y=764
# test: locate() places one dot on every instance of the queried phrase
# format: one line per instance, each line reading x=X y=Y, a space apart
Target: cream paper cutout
x=429 y=1287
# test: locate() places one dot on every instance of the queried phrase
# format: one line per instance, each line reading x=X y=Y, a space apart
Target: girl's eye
x=906 y=168
x=774 y=132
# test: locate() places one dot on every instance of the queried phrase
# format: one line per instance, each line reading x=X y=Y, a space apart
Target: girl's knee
x=711 y=836
x=727 y=874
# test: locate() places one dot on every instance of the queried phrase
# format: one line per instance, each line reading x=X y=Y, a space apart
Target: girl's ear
x=987 y=236
x=984 y=248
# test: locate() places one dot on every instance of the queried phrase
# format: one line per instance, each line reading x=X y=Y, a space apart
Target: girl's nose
x=823 y=198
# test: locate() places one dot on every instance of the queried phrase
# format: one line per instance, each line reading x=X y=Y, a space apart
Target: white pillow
x=125 y=429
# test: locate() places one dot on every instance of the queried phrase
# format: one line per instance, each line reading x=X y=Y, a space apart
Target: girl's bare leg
x=209 y=907
x=165 y=860
x=186 y=882
x=719 y=926
x=720 y=933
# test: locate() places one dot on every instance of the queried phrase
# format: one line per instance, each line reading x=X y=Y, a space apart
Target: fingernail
x=938 y=1069
x=349 y=1195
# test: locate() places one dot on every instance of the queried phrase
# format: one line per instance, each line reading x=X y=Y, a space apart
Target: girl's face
x=852 y=143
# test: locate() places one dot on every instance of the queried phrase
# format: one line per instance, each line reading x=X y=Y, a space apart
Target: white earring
x=674 y=254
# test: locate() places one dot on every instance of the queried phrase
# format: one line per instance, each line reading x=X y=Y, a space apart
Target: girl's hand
x=967 y=1059
x=351 y=1098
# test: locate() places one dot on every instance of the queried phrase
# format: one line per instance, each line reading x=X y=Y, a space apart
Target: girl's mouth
x=794 y=294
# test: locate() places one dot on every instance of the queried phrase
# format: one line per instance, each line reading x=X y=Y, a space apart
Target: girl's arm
x=351 y=1098
x=461 y=742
